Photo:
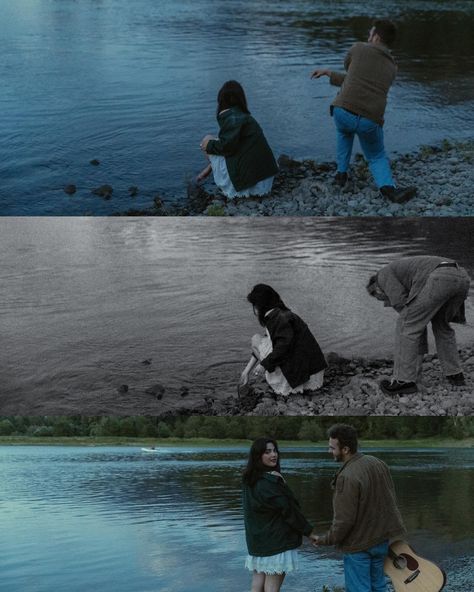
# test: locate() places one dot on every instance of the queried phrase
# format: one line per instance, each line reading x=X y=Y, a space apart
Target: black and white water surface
x=85 y=301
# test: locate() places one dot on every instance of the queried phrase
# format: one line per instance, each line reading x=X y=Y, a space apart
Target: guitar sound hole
x=412 y=563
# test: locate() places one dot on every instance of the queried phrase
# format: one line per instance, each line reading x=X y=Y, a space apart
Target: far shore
x=90 y=441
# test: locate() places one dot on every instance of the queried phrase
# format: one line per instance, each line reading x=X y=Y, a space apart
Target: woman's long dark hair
x=264 y=298
x=255 y=468
x=230 y=95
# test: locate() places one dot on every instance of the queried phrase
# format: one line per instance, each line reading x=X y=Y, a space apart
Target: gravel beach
x=352 y=388
x=443 y=174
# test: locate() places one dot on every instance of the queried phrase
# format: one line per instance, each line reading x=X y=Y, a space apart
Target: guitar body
x=411 y=573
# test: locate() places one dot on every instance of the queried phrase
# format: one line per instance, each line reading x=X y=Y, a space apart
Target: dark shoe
x=341 y=179
x=456 y=379
x=398 y=194
x=398 y=388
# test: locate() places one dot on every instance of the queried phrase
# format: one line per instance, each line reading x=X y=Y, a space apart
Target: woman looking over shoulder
x=274 y=523
x=240 y=158
x=289 y=351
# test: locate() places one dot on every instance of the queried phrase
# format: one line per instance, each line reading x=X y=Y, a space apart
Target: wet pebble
x=104 y=191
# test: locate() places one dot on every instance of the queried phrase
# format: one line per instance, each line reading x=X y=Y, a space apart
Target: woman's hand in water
x=244 y=378
x=321 y=72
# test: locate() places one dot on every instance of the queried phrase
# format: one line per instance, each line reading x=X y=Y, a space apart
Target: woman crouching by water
x=240 y=159
x=288 y=352
x=274 y=523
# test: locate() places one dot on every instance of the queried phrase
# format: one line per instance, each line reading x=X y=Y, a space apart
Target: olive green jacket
x=248 y=156
x=403 y=279
x=364 y=505
x=371 y=71
x=274 y=522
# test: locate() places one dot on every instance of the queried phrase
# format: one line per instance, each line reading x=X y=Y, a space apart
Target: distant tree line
x=222 y=428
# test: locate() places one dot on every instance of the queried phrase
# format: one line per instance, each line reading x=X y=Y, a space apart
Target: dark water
x=79 y=320
x=134 y=85
x=120 y=520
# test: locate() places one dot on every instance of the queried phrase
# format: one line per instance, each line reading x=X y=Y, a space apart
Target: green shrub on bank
x=236 y=428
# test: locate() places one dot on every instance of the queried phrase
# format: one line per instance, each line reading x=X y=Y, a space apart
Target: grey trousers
x=440 y=298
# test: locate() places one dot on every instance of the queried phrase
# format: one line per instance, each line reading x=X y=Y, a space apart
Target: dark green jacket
x=294 y=348
x=273 y=519
x=248 y=156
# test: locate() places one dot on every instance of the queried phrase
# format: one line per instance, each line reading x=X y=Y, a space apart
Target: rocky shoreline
x=352 y=388
x=443 y=174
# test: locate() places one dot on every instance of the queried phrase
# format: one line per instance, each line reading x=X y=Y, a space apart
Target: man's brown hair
x=386 y=30
x=345 y=434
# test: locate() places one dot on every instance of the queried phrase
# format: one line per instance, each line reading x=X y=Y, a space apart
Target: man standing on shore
x=359 y=107
x=422 y=289
x=365 y=512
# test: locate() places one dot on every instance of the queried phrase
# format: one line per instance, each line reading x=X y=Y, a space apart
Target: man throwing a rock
x=365 y=512
x=359 y=107
x=422 y=289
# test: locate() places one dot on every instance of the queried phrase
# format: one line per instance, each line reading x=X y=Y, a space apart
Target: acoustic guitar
x=411 y=573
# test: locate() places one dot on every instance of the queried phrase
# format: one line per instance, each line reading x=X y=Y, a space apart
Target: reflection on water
x=82 y=320
x=134 y=85
x=124 y=520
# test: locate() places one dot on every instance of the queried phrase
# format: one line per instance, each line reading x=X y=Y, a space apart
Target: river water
x=85 y=301
x=120 y=520
x=134 y=85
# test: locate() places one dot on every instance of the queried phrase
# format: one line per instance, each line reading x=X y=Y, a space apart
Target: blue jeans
x=363 y=571
x=370 y=136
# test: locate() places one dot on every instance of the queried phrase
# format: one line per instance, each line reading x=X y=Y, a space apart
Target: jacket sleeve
x=395 y=291
x=345 y=503
x=337 y=78
x=282 y=336
x=229 y=137
x=273 y=495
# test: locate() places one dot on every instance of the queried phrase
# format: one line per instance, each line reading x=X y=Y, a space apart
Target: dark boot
x=341 y=179
x=398 y=194
x=456 y=379
x=396 y=387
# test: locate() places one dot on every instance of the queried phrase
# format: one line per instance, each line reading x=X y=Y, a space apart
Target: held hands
x=315 y=539
x=321 y=72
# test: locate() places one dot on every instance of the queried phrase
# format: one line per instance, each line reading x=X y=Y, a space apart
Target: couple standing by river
x=365 y=519
x=241 y=160
x=422 y=289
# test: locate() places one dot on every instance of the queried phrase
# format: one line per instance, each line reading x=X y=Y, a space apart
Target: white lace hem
x=280 y=563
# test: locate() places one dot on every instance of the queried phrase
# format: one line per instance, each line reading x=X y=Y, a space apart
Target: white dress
x=274 y=564
x=277 y=380
x=222 y=180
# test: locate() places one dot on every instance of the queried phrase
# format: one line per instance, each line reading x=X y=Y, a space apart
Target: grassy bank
x=209 y=442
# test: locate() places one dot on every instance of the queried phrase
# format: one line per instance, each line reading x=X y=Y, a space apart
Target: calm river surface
x=134 y=84
x=120 y=520
x=80 y=320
